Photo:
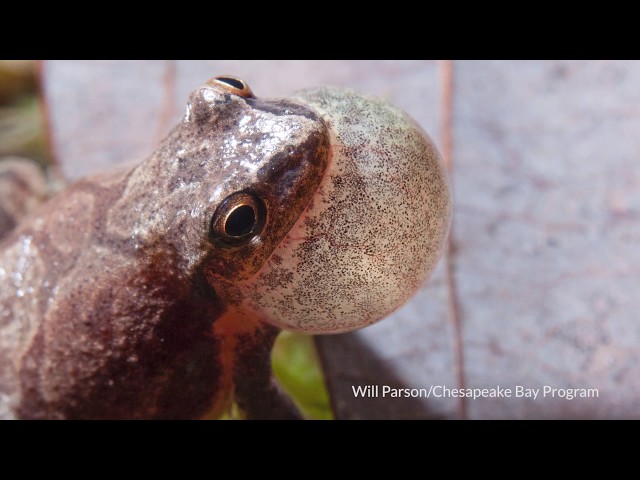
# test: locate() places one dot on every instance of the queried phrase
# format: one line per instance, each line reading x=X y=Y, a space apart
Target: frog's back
x=79 y=327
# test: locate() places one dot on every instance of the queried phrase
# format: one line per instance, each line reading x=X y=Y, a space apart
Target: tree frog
x=157 y=290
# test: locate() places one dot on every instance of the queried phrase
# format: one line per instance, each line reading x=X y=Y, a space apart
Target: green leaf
x=297 y=368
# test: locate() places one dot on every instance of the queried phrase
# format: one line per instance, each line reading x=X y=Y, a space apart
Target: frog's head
x=264 y=161
x=326 y=211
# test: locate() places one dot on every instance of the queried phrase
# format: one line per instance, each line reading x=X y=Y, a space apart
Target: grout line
x=166 y=115
x=455 y=314
x=45 y=115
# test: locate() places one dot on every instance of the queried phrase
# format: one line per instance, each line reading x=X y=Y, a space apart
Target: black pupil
x=232 y=81
x=240 y=222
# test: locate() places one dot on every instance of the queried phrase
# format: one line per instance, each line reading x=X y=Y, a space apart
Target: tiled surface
x=544 y=264
x=103 y=112
x=547 y=229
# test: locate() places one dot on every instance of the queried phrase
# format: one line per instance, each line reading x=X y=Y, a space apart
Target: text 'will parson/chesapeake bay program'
x=442 y=391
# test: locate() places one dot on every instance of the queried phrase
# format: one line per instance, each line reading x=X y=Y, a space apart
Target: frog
x=156 y=290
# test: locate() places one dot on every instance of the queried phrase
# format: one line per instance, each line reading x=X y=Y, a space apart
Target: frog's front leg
x=257 y=392
x=246 y=359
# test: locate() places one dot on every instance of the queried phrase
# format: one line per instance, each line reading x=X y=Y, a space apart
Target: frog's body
x=135 y=295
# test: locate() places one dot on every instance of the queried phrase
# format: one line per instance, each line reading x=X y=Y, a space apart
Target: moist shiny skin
x=105 y=310
x=121 y=298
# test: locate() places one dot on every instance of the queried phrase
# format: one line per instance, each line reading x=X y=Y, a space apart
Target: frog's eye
x=238 y=220
x=232 y=85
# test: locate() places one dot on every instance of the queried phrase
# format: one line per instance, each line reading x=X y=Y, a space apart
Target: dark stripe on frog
x=281 y=107
x=289 y=167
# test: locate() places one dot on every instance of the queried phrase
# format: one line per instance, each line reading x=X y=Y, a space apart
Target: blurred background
x=538 y=286
x=21 y=119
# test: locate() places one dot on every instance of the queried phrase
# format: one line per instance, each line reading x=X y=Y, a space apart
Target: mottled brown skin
x=108 y=300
